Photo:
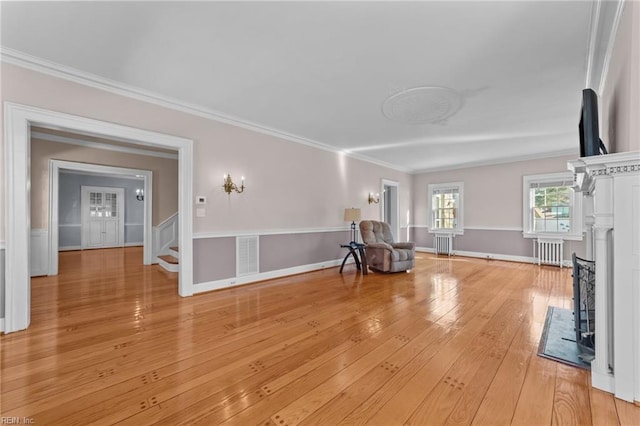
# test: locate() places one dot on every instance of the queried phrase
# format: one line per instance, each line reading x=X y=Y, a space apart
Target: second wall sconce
x=374 y=198
x=229 y=186
x=140 y=194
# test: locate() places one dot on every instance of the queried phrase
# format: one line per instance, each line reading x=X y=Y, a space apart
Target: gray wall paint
x=421 y=237
x=69 y=215
x=510 y=243
x=289 y=250
x=215 y=258
x=1 y=283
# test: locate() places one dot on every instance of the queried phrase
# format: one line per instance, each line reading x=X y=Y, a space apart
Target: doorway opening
x=390 y=206
x=56 y=167
x=18 y=121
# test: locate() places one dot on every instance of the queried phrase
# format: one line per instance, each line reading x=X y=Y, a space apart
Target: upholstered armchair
x=383 y=254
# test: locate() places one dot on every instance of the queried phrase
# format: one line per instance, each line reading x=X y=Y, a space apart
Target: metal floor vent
x=247 y=255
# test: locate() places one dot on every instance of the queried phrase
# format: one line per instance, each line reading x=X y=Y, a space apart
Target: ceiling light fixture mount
x=423 y=105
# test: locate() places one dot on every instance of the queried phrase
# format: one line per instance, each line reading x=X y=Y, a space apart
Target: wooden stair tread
x=169 y=259
x=176 y=248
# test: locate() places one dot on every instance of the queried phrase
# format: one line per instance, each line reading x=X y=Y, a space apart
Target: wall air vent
x=247 y=255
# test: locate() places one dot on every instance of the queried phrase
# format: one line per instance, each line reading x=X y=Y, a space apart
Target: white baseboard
x=69 y=248
x=232 y=282
x=480 y=255
x=2 y=325
x=424 y=249
x=603 y=381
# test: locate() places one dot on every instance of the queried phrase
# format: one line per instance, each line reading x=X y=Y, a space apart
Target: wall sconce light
x=140 y=194
x=374 y=198
x=229 y=186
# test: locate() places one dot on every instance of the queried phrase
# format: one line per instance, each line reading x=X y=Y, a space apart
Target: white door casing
x=390 y=206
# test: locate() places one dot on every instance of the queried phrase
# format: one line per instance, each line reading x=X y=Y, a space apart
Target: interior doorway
x=56 y=167
x=18 y=121
x=389 y=205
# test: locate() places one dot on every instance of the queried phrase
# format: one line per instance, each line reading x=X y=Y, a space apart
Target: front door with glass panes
x=102 y=217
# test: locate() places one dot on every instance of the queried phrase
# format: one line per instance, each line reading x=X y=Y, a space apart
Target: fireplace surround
x=610 y=185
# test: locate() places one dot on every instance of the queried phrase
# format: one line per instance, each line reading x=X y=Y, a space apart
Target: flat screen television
x=590 y=143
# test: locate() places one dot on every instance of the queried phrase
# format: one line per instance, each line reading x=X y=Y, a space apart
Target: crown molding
x=101 y=145
x=34 y=63
x=605 y=19
x=538 y=156
x=43 y=66
x=609 y=51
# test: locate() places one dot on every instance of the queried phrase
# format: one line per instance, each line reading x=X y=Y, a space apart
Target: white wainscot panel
x=39 y=264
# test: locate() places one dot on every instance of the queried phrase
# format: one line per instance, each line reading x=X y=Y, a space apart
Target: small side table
x=355 y=249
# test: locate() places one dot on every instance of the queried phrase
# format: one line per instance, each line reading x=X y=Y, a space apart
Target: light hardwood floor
x=452 y=342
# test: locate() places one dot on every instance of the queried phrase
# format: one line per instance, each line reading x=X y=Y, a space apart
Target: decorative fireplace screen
x=584 y=278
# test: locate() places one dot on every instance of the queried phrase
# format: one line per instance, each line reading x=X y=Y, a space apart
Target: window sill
x=566 y=237
x=446 y=231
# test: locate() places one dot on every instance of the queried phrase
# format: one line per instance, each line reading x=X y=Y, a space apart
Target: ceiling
x=417 y=86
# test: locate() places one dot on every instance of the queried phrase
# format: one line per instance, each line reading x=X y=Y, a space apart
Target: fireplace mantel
x=611 y=188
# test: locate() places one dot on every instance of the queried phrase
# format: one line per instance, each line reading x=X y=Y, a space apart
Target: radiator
x=549 y=251
x=443 y=244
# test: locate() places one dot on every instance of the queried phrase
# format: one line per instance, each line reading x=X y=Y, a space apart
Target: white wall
x=289 y=185
x=492 y=194
x=620 y=99
x=492 y=208
x=165 y=176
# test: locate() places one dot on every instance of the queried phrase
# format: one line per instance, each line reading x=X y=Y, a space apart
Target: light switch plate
x=201 y=212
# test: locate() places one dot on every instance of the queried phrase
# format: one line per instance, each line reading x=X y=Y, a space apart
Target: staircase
x=171 y=261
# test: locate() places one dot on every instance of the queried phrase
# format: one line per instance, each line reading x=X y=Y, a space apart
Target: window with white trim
x=551 y=206
x=445 y=206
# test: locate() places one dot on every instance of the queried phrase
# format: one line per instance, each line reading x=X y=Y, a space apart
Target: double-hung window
x=445 y=205
x=551 y=207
